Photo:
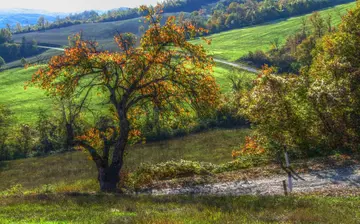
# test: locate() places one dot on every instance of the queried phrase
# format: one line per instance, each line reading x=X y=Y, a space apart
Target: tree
x=41 y=22
x=23 y=61
x=2 y=62
x=5 y=36
x=165 y=70
x=18 y=27
x=318 y=24
x=5 y=123
x=317 y=110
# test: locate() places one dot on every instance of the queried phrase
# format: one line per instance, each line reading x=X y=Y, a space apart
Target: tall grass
x=74 y=168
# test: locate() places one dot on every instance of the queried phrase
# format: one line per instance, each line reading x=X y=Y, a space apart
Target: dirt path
x=340 y=178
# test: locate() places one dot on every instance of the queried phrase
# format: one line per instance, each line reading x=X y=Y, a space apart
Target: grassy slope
x=75 y=169
x=26 y=104
x=44 y=56
x=178 y=209
x=234 y=44
x=102 y=32
x=228 y=45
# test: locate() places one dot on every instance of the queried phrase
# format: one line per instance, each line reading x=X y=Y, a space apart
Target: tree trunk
x=108 y=178
x=69 y=135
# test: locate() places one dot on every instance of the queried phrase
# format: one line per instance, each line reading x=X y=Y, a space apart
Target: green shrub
x=147 y=173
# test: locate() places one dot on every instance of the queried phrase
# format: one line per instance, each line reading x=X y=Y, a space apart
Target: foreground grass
x=177 y=209
x=72 y=171
x=234 y=44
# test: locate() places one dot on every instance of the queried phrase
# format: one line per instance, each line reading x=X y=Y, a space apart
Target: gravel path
x=340 y=178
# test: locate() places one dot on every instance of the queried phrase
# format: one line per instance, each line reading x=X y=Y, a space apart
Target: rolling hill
x=229 y=45
x=234 y=44
x=102 y=32
x=25 y=16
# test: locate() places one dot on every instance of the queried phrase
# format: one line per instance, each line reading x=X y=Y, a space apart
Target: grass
x=25 y=104
x=44 y=56
x=234 y=44
x=103 y=33
x=73 y=168
x=178 y=209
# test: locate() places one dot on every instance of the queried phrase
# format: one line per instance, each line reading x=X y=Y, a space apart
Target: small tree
x=165 y=70
x=2 y=62
x=5 y=123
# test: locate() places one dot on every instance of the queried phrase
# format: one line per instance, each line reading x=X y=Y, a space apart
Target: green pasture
x=234 y=44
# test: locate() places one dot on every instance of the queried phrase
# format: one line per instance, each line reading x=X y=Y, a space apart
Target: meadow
x=26 y=104
x=103 y=33
x=76 y=170
x=230 y=46
x=178 y=209
x=63 y=188
x=234 y=44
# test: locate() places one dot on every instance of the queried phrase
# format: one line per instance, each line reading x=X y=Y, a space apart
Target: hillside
x=234 y=44
x=26 y=104
x=229 y=45
x=25 y=16
x=101 y=32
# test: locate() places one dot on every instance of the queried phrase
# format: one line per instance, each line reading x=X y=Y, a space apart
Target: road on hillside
x=53 y=48
x=235 y=65
x=331 y=179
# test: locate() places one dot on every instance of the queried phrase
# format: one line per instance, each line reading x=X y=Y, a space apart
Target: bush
x=147 y=173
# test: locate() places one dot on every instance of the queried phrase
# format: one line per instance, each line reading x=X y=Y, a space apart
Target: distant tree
x=165 y=70
x=8 y=27
x=23 y=61
x=2 y=62
x=18 y=27
x=41 y=22
x=318 y=24
x=5 y=36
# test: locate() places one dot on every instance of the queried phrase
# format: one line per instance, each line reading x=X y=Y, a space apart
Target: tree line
x=11 y=51
x=224 y=15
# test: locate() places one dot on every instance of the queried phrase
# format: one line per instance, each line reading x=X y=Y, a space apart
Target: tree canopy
x=165 y=71
x=319 y=108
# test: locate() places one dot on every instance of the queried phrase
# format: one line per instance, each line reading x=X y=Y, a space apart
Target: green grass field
x=26 y=104
x=227 y=45
x=234 y=44
x=178 y=209
x=75 y=169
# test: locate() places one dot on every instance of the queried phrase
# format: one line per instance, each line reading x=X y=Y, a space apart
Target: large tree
x=165 y=71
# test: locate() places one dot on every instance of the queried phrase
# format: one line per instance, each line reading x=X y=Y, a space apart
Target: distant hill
x=25 y=16
x=101 y=32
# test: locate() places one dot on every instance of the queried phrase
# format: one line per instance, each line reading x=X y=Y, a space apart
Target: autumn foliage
x=165 y=72
x=318 y=110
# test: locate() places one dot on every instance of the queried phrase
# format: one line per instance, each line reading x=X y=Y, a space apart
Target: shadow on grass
x=3 y=166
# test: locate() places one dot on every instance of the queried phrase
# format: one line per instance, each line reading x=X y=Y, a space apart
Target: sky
x=73 y=5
